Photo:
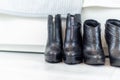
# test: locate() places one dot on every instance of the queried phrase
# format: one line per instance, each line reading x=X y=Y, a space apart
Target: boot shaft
x=112 y=33
x=58 y=29
x=73 y=29
x=92 y=33
x=54 y=30
x=50 y=29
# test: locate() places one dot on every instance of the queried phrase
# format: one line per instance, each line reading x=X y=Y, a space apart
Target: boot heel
x=94 y=61
x=72 y=60
x=53 y=59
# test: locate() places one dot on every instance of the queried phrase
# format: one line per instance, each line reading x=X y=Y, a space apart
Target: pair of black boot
x=92 y=35
x=71 y=50
x=75 y=49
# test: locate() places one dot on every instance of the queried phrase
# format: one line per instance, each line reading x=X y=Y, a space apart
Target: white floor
x=25 y=66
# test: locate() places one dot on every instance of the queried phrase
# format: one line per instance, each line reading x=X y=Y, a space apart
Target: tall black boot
x=73 y=40
x=92 y=47
x=112 y=35
x=53 y=53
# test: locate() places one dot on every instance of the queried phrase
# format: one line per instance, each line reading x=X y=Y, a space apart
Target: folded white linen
x=40 y=8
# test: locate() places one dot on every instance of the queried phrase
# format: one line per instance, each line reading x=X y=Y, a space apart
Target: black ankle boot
x=112 y=35
x=73 y=40
x=53 y=53
x=92 y=47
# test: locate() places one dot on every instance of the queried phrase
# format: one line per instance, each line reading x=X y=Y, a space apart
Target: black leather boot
x=112 y=35
x=53 y=53
x=73 y=40
x=92 y=47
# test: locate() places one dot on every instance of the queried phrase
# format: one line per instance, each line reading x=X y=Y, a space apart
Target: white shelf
x=17 y=66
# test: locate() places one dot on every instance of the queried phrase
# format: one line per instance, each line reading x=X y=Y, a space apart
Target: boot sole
x=94 y=61
x=71 y=60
